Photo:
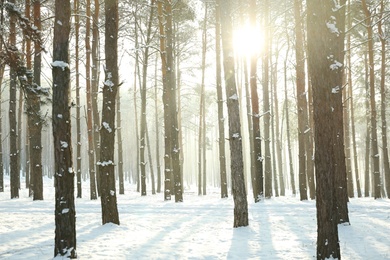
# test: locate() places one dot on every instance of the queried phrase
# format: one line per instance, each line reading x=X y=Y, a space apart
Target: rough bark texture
x=65 y=214
x=107 y=130
x=221 y=119
x=322 y=41
x=235 y=138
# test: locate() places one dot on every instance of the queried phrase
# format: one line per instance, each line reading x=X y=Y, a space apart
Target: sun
x=248 y=40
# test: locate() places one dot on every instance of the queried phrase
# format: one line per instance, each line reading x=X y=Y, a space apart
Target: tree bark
x=235 y=139
x=65 y=213
x=221 y=119
x=107 y=130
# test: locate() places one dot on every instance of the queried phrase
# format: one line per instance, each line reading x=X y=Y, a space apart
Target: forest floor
x=199 y=228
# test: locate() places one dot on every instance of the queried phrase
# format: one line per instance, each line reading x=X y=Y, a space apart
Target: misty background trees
x=198 y=94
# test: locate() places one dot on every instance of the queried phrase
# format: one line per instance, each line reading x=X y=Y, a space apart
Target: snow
x=199 y=228
x=60 y=64
x=107 y=127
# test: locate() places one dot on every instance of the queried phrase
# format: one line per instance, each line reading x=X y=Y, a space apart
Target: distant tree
x=65 y=214
x=107 y=130
x=385 y=150
x=235 y=138
x=324 y=39
x=373 y=120
x=2 y=66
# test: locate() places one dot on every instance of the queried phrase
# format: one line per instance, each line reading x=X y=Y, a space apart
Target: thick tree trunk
x=107 y=130
x=323 y=42
x=65 y=214
x=157 y=122
x=1 y=116
x=221 y=119
x=235 y=138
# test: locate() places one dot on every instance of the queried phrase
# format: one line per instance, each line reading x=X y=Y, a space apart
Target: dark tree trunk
x=221 y=119
x=1 y=116
x=258 y=178
x=13 y=153
x=235 y=138
x=65 y=214
x=107 y=130
x=35 y=119
x=326 y=78
x=152 y=178
x=157 y=122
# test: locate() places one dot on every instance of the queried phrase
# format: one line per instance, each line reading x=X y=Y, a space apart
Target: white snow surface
x=199 y=228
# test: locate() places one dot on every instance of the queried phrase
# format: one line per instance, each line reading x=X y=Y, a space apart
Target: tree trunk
x=35 y=120
x=150 y=161
x=221 y=119
x=374 y=137
x=1 y=116
x=258 y=178
x=91 y=148
x=266 y=108
x=286 y=108
x=95 y=85
x=235 y=139
x=301 y=99
x=107 y=130
x=368 y=131
x=76 y=6
x=385 y=150
x=157 y=132
x=120 y=146
x=65 y=214
x=323 y=42
x=14 y=153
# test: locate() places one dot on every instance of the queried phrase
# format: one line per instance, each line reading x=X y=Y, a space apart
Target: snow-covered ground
x=199 y=228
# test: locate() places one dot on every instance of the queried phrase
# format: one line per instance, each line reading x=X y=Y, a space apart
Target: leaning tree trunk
x=107 y=130
x=221 y=119
x=65 y=214
x=235 y=138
